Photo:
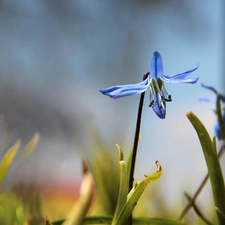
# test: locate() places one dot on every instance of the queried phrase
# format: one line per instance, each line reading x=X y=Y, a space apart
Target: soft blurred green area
x=19 y=205
x=23 y=205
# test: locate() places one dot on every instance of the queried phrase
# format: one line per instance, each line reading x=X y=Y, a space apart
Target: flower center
x=158 y=93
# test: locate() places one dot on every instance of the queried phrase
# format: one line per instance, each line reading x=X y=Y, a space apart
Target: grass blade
x=7 y=159
x=213 y=164
x=123 y=189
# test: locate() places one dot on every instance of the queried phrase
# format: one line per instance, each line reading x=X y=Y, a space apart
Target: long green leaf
x=213 y=164
x=7 y=159
x=136 y=220
x=31 y=145
x=82 y=205
x=221 y=214
x=219 y=117
x=123 y=189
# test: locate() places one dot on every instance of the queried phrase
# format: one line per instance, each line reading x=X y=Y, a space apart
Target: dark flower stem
x=136 y=137
x=135 y=145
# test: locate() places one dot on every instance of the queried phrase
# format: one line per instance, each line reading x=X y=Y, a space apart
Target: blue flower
x=155 y=82
x=222 y=98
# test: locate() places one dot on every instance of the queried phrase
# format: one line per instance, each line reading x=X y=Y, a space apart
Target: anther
x=152 y=103
x=169 y=99
x=146 y=75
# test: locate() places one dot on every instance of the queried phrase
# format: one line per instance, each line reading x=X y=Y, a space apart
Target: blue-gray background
x=56 y=55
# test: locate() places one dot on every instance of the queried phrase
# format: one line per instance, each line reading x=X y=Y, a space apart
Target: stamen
x=152 y=95
x=160 y=93
x=152 y=103
x=162 y=105
x=168 y=98
x=157 y=87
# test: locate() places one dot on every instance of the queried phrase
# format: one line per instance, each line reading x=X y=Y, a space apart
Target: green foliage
x=8 y=159
x=133 y=196
x=81 y=207
x=13 y=209
x=123 y=189
x=213 y=164
x=219 y=117
x=105 y=170
x=112 y=178
x=136 y=220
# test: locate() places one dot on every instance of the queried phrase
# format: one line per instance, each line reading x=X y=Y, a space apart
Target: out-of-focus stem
x=192 y=201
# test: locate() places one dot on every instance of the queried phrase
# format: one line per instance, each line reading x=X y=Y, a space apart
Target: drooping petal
x=158 y=108
x=222 y=97
x=156 y=69
x=181 y=77
x=120 y=91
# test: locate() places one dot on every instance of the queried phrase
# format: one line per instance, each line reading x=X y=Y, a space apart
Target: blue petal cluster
x=155 y=81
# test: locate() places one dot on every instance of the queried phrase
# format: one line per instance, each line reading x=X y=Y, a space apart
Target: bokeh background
x=56 y=55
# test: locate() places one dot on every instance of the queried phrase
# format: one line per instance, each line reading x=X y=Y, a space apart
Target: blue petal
x=120 y=91
x=217 y=127
x=222 y=97
x=207 y=99
x=181 y=77
x=217 y=131
x=158 y=109
x=156 y=69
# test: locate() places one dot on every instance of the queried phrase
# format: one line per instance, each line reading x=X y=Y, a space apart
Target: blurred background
x=56 y=55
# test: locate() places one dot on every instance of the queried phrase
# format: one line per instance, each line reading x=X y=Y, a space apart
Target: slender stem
x=135 y=145
x=191 y=203
x=136 y=137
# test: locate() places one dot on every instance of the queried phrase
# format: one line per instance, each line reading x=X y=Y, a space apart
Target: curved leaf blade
x=135 y=194
x=8 y=159
x=213 y=163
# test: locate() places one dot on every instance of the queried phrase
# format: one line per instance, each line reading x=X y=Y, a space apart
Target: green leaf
x=7 y=159
x=130 y=159
x=104 y=167
x=30 y=146
x=136 y=220
x=123 y=189
x=11 y=209
x=219 y=117
x=213 y=163
x=220 y=213
x=82 y=205
x=134 y=196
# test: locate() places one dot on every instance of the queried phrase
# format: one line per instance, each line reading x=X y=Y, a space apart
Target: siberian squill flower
x=155 y=82
x=222 y=98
